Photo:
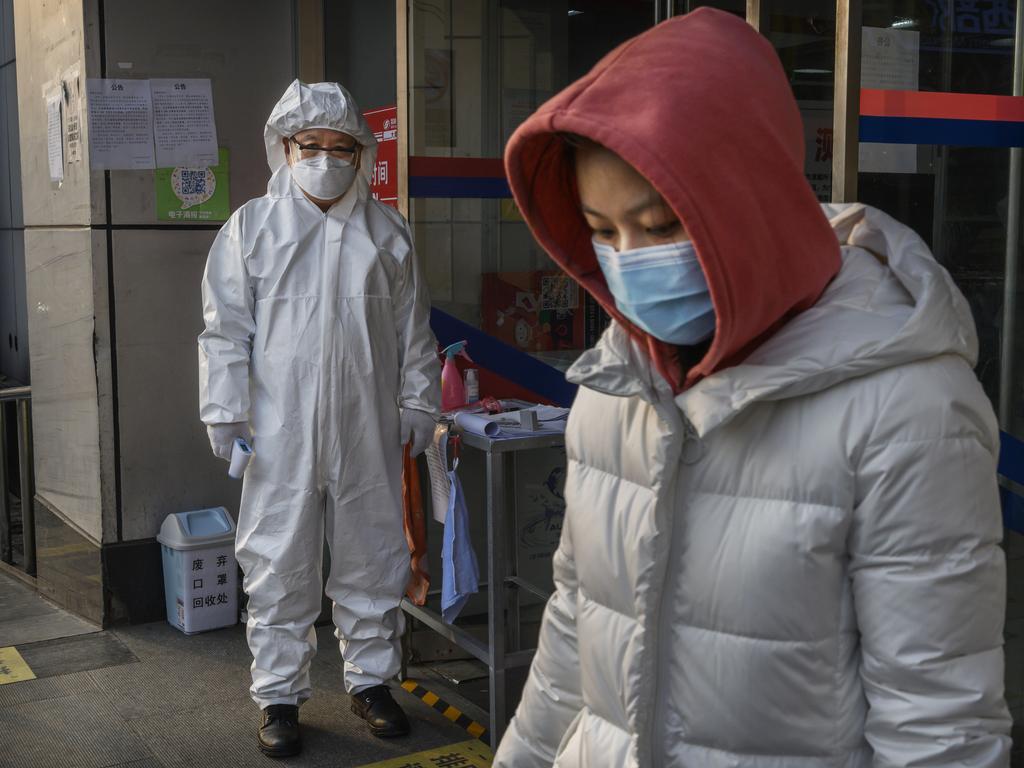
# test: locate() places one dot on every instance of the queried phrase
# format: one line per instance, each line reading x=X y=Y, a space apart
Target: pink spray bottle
x=453 y=391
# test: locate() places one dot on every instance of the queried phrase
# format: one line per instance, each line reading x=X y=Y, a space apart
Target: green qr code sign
x=194 y=194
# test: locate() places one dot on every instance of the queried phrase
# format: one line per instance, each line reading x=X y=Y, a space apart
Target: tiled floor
x=149 y=696
x=25 y=617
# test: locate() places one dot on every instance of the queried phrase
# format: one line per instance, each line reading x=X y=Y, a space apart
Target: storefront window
x=955 y=194
x=478 y=70
x=953 y=186
x=939 y=159
x=804 y=35
x=933 y=157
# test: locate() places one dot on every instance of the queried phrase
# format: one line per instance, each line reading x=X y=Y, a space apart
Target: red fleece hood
x=701 y=107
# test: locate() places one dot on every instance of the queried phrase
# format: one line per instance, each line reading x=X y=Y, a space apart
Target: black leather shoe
x=382 y=712
x=279 y=731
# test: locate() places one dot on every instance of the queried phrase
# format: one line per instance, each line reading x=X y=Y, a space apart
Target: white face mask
x=324 y=177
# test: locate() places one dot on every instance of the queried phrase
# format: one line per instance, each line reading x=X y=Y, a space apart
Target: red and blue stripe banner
x=950 y=119
x=886 y=117
x=482 y=177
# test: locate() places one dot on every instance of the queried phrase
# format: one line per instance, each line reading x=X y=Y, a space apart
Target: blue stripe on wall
x=1011 y=466
x=507 y=362
x=458 y=186
x=529 y=372
x=1011 y=458
x=926 y=130
x=1013 y=510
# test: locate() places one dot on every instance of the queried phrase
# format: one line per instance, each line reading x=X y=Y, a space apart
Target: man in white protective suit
x=318 y=349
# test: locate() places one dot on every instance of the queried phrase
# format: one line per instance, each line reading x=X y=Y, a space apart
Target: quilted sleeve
x=929 y=579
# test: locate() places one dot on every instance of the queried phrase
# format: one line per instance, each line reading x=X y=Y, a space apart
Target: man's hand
x=418 y=429
x=223 y=436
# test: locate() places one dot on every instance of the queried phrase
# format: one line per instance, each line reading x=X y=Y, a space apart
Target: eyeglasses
x=312 y=150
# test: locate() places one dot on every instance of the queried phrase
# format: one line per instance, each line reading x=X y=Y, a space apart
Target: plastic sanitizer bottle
x=453 y=392
x=472 y=386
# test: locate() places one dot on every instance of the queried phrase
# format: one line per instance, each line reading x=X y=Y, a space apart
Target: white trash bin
x=200 y=575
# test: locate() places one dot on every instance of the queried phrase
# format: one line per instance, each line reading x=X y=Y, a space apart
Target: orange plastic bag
x=415 y=523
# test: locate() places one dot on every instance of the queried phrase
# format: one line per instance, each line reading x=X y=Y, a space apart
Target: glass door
x=476 y=71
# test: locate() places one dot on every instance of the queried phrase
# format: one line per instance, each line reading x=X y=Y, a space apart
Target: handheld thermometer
x=241 y=454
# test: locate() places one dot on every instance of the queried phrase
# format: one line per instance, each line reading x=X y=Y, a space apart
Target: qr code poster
x=193 y=186
x=534 y=311
x=559 y=292
x=194 y=194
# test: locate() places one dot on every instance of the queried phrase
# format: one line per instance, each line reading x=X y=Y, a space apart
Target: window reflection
x=477 y=70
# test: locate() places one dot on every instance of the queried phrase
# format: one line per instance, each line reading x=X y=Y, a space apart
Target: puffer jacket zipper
x=691 y=451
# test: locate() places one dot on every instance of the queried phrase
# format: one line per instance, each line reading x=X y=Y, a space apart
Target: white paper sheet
x=890 y=60
x=184 y=128
x=120 y=124
x=54 y=137
x=437 y=463
x=478 y=424
x=506 y=426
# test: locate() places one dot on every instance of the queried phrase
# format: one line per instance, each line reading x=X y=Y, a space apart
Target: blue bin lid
x=198 y=529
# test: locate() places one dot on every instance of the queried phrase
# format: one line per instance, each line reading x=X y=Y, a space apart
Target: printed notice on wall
x=72 y=87
x=120 y=124
x=54 y=137
x=184 y=129
x=890 y=60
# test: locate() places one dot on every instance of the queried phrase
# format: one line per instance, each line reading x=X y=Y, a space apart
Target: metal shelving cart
x=503 y=651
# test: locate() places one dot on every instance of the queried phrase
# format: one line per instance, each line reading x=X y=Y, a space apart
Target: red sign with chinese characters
x=384 y=183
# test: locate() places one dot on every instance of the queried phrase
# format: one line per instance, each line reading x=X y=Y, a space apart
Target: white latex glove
x=223 y=436
x=418 y=429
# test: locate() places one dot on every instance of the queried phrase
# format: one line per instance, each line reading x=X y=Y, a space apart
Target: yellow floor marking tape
x=450 y=712
x=468 y=754
x=13 y=668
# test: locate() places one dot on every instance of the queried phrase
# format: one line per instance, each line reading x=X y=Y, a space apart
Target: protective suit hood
x=701 y=106
x=320 y=105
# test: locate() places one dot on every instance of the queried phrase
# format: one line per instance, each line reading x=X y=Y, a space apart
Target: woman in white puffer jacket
x=781 y=538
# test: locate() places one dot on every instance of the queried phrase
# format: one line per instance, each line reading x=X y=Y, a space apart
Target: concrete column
x=113 y=292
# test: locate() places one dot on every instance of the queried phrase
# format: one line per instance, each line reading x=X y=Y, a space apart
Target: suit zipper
x=320 y=400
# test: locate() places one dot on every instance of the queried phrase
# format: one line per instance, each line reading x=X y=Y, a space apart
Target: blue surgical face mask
x=662 y=289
